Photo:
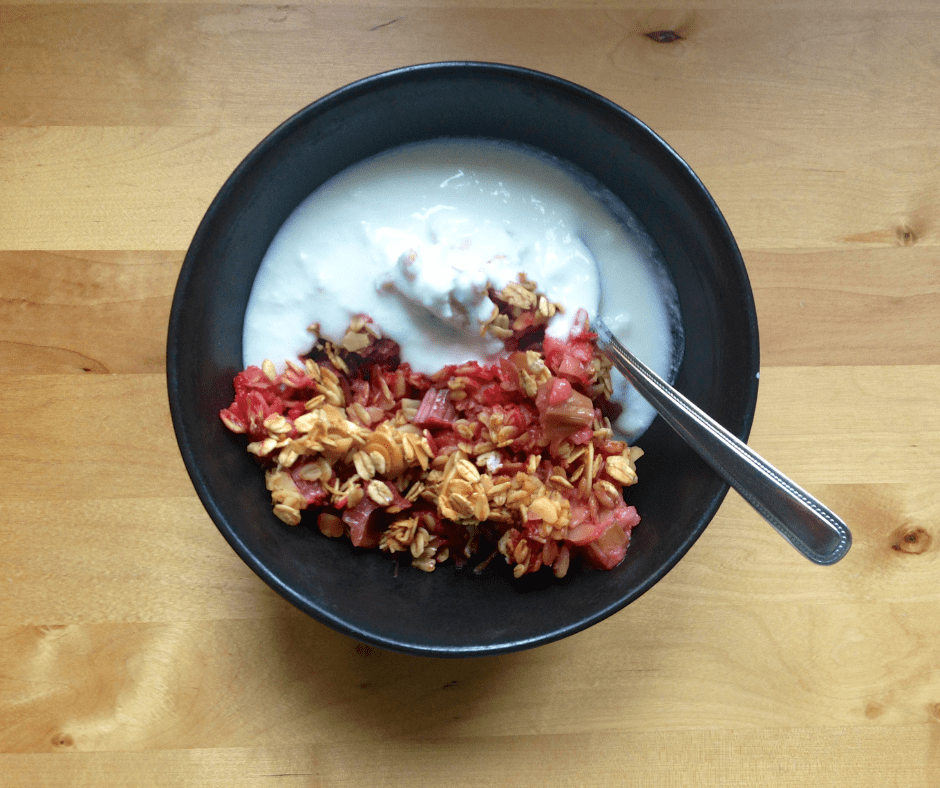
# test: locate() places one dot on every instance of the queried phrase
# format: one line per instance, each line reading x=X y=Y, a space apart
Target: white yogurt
x=413 y=237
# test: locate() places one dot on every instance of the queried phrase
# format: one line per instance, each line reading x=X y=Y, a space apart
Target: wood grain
x=150 y=187
x=190 y=64
x=137 y=649
x=61 y=312
x=804 y=300
x=684 y=758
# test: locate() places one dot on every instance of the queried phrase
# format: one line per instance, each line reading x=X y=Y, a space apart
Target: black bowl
x=457 y=612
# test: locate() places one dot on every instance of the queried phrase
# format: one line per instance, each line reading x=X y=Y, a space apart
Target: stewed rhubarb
x=515 y=457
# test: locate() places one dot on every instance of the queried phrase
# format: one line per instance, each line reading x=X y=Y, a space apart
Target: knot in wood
x=906 y=235
x=62 y=740
x=911 y=540
x=664 y=36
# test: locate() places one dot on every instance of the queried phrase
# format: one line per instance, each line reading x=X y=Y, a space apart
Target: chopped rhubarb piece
x=609 y=547
x=363 y=529
x=573 y=368
x=559 y=392
x=566 y=418
x=509 y=372
x=436 y=409
x=571 y=358
x=312 y=491
x=583 y=528
x=582 y=436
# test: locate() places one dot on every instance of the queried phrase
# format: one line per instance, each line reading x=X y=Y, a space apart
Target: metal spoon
x=802 y=520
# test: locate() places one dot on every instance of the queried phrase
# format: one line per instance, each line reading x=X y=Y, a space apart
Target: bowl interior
x=458 y=612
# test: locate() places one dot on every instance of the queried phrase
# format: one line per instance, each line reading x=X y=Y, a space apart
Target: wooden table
x=135 y=647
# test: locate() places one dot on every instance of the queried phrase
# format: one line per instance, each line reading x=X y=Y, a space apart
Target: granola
x=515 y=458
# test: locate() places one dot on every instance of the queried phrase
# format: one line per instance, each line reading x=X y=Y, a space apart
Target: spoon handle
x=802 y=520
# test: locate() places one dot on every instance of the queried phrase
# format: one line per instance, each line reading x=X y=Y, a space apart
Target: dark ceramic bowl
x=455 y=612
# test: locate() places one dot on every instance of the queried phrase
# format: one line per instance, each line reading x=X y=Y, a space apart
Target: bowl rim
x=239 y=174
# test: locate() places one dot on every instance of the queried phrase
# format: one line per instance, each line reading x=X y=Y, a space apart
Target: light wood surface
x=135 y=647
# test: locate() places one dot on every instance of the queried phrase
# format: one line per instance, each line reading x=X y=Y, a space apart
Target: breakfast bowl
x=459 y=611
